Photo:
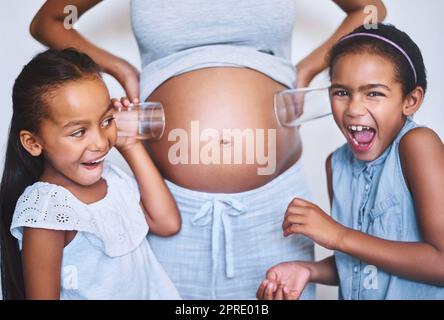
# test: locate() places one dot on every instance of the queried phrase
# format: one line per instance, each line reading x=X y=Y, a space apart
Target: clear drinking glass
x=296 y=106
x=145 y=120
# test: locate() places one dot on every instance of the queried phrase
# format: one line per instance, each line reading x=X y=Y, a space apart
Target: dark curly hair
x=364 y=44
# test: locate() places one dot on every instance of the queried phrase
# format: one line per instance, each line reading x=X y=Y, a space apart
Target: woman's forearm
x=316 y=61
x=418 y=261
x=48 y=28
x=57 y=37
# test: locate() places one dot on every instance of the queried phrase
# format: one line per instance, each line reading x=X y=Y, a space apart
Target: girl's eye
x=340 y=93
x=107 y=122
x=79 y=133
x=375 y=94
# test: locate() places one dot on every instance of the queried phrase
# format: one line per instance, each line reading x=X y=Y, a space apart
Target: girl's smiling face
x=367 y=102
x=78 y=133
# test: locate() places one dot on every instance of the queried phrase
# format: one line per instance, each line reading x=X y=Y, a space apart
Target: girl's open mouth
x=90 y=165
x=361 y=137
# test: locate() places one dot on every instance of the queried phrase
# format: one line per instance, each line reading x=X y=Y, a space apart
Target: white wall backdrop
x=108 y=25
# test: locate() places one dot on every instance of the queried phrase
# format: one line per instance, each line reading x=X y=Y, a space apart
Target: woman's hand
x=295 y=103
x=286 y=281
x=303 y=217
x=48 y=28
x=127 y=123
x=303 y=74
x=128 y=77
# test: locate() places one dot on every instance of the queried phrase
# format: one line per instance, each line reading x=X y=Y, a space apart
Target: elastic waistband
x=292 y=175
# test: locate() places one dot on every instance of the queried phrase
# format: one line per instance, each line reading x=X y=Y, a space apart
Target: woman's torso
x=222 y=99
x=217 y=98
x=373 y=197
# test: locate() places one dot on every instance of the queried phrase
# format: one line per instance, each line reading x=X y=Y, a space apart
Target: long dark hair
x=45 y=72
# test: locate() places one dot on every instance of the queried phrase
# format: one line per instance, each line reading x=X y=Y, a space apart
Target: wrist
x=307 y=69
x=304 y=75
x=311 y=267
x=117 y=68
x=341 y=238
x=127 y=149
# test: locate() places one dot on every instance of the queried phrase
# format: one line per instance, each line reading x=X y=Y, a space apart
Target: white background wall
x=108 y=26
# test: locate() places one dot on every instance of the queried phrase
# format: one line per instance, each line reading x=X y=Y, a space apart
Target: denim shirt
x=373 y=197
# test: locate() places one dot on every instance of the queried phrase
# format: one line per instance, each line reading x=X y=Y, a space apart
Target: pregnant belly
x=221 y=133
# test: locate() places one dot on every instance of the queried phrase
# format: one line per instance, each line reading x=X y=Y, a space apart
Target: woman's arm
x=48 y=28
x=158 y=204
x=315 y=62
x=42 y=262
x=422 y=158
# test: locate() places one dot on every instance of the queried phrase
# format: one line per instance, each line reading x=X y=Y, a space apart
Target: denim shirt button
x=367 y=186
x=355 y=269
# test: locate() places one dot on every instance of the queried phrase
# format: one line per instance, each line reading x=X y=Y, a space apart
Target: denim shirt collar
x=359 y=165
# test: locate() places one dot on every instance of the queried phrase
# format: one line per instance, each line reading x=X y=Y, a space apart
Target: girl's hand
x=127 y=123
x=285 y=281
x=303 y=217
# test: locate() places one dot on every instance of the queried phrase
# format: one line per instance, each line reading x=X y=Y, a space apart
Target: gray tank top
x=176 y=36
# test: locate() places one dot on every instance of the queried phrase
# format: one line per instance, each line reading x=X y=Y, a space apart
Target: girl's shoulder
x=114 y=225
x=420 y=148
x=45 y=205
x=38 y=197
x=419 y=137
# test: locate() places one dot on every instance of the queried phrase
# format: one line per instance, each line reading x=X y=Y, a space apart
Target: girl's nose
x=356 y=108
x=99 y=141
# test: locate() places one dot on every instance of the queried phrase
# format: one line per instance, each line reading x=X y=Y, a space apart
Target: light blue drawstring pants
x=229 y=240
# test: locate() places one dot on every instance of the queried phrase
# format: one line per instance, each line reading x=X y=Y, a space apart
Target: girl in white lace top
x=72 y=225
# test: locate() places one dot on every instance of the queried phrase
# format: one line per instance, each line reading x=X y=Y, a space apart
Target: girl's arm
x=158 y=204
x=42 y=260
x=422 y=159
x=48 y=28
x=323 y=272
x=287 y=280
x=315 y=62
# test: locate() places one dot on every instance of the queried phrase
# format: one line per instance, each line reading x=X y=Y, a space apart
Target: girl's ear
x=31 y=143
x=413 y=101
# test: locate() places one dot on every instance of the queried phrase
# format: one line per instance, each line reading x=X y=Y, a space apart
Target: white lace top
x=110 y=257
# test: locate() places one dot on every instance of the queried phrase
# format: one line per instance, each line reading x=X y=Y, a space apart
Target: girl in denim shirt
x=385 y=184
